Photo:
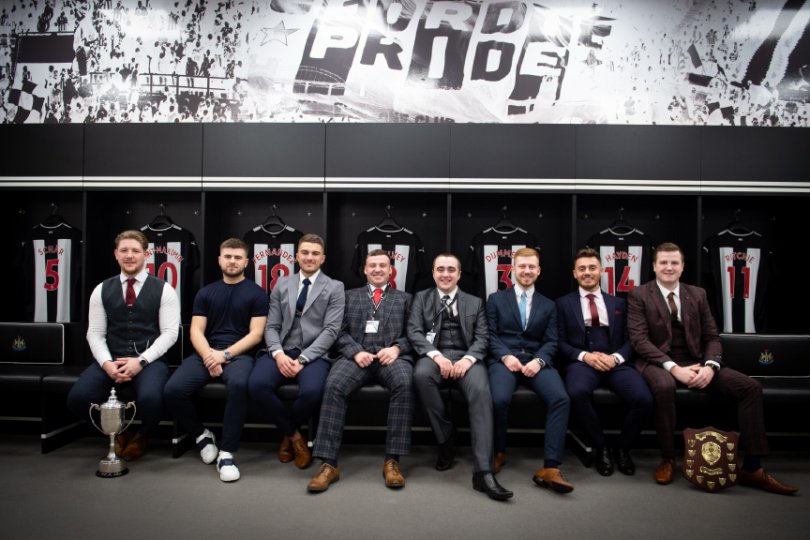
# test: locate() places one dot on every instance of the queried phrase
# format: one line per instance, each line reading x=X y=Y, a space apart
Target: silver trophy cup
x=113 y=421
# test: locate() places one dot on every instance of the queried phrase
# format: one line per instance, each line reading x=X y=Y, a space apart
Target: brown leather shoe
x=285 y=451
x=135 y=449
x=552 y=479
x=764 y=481
x=325 y=476
x=665 y=471
x=393 y=477
x=303 y=457
x=500 y=459
x=121 y=442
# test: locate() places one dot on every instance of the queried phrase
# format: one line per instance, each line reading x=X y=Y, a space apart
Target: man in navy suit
x=373 y=347
x=522 y=344
x=593 y=339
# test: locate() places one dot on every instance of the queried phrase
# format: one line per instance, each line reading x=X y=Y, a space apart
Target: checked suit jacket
x=573 y=339
x=320 y=320
x=650 y=327
x=393 y=317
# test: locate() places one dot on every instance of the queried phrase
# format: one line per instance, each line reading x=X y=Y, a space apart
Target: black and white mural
x=675 y=62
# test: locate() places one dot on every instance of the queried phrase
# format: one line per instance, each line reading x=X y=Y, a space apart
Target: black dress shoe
x=444 y=461
x=603 y=461
x=485 y=482
x=624 y=462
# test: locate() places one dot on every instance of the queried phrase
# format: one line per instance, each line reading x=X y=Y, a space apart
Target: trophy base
x=109 y=468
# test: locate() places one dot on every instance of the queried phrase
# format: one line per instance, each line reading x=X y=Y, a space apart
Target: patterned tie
x=673 y=307
x=594 y=312
x=130 y=294
x=522 y=308
x=302 y=297
x=377 y=296
x=448 y=306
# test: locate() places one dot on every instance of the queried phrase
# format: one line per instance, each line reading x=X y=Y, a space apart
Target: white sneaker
x=228 y=471
x=206 y=444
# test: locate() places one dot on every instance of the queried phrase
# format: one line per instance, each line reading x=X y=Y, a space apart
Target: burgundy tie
x=377 y=296
x=130 y=295
x=594 y=312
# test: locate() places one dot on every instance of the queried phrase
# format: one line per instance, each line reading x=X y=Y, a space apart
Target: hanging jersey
x=50 y=262
x=405 y=250
x=626 y=260
x=173 y=256
x=739 y=267
x=271 y=255
x=489 y=260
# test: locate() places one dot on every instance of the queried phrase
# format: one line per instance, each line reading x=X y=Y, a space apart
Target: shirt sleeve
x=97 y=328
x=169 y=321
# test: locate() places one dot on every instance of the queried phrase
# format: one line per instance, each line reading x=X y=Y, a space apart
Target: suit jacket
x=650 y=329
x=320 y=320
x=571 y=326
x=538 y=340
x=393 y=317
x=426 y=306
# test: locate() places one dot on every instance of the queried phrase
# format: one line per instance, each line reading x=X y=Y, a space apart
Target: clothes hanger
x=737 y=227
x=388 y=224
x=273 y=224
x=505 y=225
x=53 y=220
x=161 y=222
x=620 y=226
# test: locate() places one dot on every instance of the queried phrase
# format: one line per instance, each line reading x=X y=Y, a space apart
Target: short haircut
x=312 y=239
x=526 y=252
x=586 y=252
x=377 y=253
x=668 y=246
x=138 y=236
x=234 y=243
x=446 y=254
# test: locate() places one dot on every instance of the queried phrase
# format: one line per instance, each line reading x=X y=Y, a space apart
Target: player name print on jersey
x=172 y=255
x=625 y=258
x=404 y=248
x=490 y=257
x=50 y=262
x=738 y=264
x=272 y=255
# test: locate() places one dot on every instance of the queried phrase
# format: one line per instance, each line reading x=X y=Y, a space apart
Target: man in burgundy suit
x=675 y=336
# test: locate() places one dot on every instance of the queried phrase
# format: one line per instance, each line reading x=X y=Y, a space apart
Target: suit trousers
x=94 y=386
x=265 y=381
x=193 y=375
x=549 y=386
x=344 y=378
x=580 y=382
x=727 y=382
x=474 y=386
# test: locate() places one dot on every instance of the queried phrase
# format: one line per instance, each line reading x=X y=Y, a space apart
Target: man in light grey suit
x=306 y=311
x=448 y=329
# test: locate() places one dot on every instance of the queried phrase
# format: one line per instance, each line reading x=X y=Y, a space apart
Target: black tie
x=302 y=297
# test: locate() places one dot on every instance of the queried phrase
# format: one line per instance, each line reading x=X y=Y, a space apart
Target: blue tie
x=302 y=297
x=522 y=307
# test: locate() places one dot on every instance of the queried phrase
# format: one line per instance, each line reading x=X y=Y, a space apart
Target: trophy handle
x=134 y=410
x=90 y=414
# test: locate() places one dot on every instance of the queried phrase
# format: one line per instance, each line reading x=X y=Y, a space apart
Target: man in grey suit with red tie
x=523 y=342
x=306 y=312
x=673 y=331
x=593 y=339
x=373 y=347
x=448 y=330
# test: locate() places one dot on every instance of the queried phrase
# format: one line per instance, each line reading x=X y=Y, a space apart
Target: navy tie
x=302 y=297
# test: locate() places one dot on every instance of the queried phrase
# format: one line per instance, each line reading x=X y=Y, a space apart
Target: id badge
x=430 y=336
x=372 y=327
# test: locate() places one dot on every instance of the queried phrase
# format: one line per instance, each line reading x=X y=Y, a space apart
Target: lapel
x=512 y=302
x=660 y=303
x=535 y=313
x=462 y=311
x=315 y=289
x=292 y=295
x=686 y=307
x=385 y=307
x=575 y=306
x=610 y=306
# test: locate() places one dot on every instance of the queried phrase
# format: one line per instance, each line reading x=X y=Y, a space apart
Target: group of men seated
x=663 y=337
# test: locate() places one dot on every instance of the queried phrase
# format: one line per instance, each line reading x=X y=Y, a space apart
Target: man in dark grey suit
x=373 y=347
x=306 y=311
x=448 y=329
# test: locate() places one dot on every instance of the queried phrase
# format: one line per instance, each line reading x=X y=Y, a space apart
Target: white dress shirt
x=601 y=309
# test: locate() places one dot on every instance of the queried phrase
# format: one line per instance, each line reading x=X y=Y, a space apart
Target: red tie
x=377 y=296
x=130 y=295
x=594 y=312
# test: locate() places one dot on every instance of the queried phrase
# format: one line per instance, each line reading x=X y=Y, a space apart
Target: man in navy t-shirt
x=227 y=322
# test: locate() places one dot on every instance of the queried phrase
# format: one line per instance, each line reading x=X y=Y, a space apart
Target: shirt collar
x=140 y=277
x=518 y=289
x=372 y=287
x=311 y=278
x=584 y=294
x=665 y=292
x=451 y=294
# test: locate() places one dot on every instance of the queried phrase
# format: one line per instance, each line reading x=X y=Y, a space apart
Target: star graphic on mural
x=278 y=33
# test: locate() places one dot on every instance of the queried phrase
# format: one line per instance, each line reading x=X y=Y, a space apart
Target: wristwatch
x=227 y=354
x=143 y=361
